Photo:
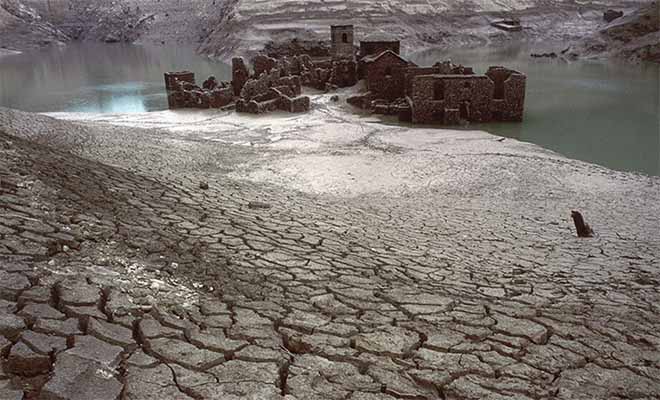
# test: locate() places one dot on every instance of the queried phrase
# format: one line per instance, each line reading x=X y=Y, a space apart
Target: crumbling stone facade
x=273 y=99
x=263 y=64
x=342 y=38
x=343 y=73
x=240 y=74
x=383 y=74
x=183 y=92
x=172 y=81
x=439 y=68
x=271 y=91
x=276 y=85
x=508 y=103
x=449 y=99
x=443 y=93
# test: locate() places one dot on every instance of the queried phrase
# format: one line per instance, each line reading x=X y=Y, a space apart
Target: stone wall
x=509 y=94
x=263 y=64
x=497 y=96
x=280 y=98
x=240 y=74
x=410 y=73
x=425 y=108
x=439 y=68
x=343 y=73
x=172 y=79
x=271 y=91
x=342 y=38
x=384 y=74
x=448 y=99
x=182 y=92
x=258 y=85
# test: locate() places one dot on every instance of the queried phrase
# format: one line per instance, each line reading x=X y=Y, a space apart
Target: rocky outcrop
x=160 y=21
x=249 y=26
x=634 y=37
x=611 y=15
x=224 y=28
x=23 y=27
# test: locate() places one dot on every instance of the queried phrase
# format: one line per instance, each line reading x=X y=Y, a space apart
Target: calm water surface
x=97 y=78
x=603 y=113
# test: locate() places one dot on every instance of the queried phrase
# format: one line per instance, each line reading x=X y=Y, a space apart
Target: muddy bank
x=318 y=243
x=333 y=152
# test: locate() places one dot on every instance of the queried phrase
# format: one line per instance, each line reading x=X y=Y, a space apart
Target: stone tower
x=342 y=41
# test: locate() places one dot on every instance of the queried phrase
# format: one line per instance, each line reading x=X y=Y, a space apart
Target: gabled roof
x=372 y=58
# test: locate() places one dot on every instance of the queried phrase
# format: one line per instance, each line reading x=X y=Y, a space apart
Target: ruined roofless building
x=342 y=38
x=499 y=95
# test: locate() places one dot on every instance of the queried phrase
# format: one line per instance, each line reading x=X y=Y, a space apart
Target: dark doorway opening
x=344 y=37
x=439 y=116
x=465 y=110
x=439 y=91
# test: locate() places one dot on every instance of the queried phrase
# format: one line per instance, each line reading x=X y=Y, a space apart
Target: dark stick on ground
x=583 y=229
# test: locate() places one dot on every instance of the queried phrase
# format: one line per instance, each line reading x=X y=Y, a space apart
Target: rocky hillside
x=23 y=27
x=250 y=24
x=223 y=28
x=157 y=21
x=635 y=36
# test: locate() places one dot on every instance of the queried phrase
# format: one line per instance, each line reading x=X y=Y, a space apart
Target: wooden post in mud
x=583 y=229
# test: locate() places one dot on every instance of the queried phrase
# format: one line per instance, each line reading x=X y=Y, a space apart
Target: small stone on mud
x=204 y=185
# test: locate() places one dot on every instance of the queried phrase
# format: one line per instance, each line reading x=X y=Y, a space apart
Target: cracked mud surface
x=120 y=278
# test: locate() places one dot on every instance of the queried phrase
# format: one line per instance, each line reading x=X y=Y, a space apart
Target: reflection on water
x=97 y=78
x=604 y=113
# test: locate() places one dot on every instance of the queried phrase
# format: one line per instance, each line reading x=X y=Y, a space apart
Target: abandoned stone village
x=443 y=93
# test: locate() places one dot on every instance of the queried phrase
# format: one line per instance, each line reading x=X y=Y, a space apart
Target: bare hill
x=249 y=24
x=635 y=36
x=223 y=28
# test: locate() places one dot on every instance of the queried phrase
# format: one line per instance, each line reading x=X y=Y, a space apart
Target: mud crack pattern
x=125 y=283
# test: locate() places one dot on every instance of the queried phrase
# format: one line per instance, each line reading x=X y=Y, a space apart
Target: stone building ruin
x=183 y=92
x=448 y=99
x=342 y=39
x=274 y=85
x=444 y=93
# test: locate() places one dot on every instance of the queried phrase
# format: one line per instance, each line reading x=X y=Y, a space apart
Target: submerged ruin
x=443 y=93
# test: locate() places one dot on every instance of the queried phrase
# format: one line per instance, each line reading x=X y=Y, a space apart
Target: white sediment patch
x=332 y=150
